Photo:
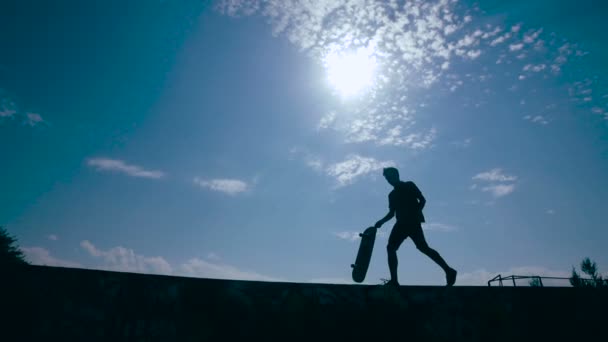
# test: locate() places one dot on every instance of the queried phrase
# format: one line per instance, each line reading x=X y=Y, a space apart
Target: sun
x=351 y=72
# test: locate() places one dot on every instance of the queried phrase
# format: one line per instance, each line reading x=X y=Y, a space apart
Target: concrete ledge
x=89 y=305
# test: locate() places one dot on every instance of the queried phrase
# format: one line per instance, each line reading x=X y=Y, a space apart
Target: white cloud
x=327 y=120
x=115 y=165
x=516 y=28
x=41 y=256
x=204 y=269
x=494 y=175
x=462 y=143
x=439 y=227
x=539 y=119
x=349 y=236
x=53 y=237
x=126 y=260
x=123 y=259
x=530 y=38
x=213 y=256
x=354 y=167
x=499 y=190
x=7 y=113
x=416 y=41
x=415 y=141
x=227 y=186
x=473 y=54
x=330 y=281
x=33 y=119
x=7 y=107
x=516 y=47
x=354 y=236
x=535 y=68
x=550 y=211
x=311 y=160
x=500 y=39
x=491 y=34
x=563 y=53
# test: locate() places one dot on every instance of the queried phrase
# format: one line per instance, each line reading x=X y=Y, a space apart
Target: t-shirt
x=404 y=199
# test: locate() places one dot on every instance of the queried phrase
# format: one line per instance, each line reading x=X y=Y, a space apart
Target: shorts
x=402 y=231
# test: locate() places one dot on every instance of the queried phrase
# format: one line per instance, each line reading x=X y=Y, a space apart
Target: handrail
x=500 y=278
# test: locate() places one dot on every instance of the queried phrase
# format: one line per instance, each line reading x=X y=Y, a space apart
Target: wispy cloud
x=33 y=119
x=7 y=107
x=516 y=47
x=6 y=113
x=354 y=167
x=196 y=267
x=503 y=184
x=53 y=237
x=42 y=256
x=213 y=256
x=534 y=68
x=354 y=236
x=416 y=141
x=538 y=119
x=439 y=227
x=126 y=260
x=462 y=143
x=227 y=186
x=499 y=190
x=115 y=165
x=494 y=175
x=348 y=236
x=311 y=160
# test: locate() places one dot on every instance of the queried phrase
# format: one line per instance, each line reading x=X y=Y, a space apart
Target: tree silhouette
x=10 y=254
x=535 y=282
x=589 y=268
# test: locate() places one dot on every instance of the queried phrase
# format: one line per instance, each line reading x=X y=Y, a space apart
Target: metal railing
x=512 y=278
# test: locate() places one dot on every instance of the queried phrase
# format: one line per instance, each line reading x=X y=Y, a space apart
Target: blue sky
x=246 y=140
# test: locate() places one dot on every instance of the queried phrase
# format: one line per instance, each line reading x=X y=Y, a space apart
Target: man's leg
x=394 y=241
x=418 y=237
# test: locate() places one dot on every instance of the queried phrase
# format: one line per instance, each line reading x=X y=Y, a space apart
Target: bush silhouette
x=589 y=268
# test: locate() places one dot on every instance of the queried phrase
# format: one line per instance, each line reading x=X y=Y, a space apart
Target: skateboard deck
x=368 y=237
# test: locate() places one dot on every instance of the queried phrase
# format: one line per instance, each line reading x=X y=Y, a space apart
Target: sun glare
x=350 y=72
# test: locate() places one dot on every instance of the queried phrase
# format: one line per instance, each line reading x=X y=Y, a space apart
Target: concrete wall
x=87 y=305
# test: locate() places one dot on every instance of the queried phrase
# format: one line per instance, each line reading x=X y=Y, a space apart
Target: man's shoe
x=450 y=276
x=392 y=283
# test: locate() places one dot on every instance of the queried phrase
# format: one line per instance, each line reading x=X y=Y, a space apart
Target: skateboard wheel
x=360 y=234
x=353 y=265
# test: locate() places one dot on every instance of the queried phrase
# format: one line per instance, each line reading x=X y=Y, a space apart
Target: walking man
x=406 y=202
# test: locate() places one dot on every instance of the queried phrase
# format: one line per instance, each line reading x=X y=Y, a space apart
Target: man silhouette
x=406 y=202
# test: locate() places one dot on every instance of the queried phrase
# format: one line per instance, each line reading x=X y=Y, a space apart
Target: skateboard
x=368 y=237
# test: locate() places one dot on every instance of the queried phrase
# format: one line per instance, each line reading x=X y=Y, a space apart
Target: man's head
x=392 y=175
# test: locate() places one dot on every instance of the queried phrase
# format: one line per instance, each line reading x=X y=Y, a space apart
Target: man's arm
x=421 y=199
x=388 y=216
